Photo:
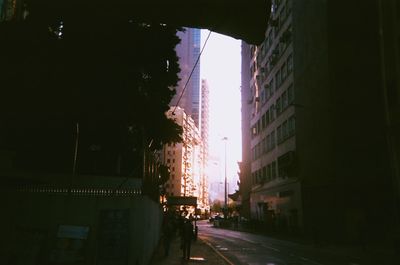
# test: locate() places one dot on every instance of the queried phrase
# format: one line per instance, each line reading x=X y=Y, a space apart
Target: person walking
x=187 y=237
x=167 y=236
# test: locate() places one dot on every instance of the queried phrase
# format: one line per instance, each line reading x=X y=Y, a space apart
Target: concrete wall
x=30 y=224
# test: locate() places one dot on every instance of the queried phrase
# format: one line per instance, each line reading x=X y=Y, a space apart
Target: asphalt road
x=241 y=248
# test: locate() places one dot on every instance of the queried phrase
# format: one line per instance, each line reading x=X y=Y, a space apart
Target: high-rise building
x=314 y=122
x=188 y=89
x=204 y=125
x=193 y=101
x=183 y=159
x=246 y=103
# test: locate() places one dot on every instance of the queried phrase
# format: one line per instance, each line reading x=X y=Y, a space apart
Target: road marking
x=253 y=242
x=275 y=249
x=309 y=260
x=218 y=253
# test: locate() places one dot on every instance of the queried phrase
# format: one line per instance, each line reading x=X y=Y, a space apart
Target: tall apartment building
x=183 y=159
x=275 y=190
x=314 y=122
x=204 y=127
x=246 y=109
x=193 y=101
x=188 y=51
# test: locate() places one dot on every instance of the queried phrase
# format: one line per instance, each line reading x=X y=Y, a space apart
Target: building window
x=257 y=150
x=291 y=126
x=173 y=160
x=273 y=169
x=273 y=140
x=284 y=100
x=282 y=16
x=264 y=173
x=290 y=94
x=272 y=112
x=262 y=96
x=263 y=124
x=289 y=63
x=270 y=38
x=278 y=79
x=254 y=131
x=269 y=172
x=279 y=133
x=263 y=146
x=284 y=130
x=278 y=106
x=272 y=87
x=168 y=160
x=266 y=117
x=283 y=71
x=288 y=7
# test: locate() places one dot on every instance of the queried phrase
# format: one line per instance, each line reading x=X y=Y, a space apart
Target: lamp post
x=225 y=139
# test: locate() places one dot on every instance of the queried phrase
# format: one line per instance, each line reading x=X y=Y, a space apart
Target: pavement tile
x=201 y=253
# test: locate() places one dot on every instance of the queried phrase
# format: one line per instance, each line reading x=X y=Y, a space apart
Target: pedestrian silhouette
x=167 y=235
x=187 y=237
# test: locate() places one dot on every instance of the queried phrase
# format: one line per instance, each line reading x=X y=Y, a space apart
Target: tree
x=216 y=206
x=104 y=71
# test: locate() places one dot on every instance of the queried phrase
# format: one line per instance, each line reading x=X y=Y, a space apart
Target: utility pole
x=226 y=180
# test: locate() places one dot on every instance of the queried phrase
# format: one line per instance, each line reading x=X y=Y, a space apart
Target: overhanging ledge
x=240 y=19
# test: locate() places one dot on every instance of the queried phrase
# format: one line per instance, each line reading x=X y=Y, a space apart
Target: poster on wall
x=70 y=245
x=113 y=237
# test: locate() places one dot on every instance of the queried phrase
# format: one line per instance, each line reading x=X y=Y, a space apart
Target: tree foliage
x=64 y=65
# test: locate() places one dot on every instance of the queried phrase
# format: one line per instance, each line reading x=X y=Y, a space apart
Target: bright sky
x=220 y=64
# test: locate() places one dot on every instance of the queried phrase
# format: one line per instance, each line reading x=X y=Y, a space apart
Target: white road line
x=275 y=249
x=309 y=260
x=218 y=252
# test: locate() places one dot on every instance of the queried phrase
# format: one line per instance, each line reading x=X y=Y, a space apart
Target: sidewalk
x=201 y=253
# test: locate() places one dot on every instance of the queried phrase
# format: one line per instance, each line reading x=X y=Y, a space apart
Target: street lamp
x=225 y=139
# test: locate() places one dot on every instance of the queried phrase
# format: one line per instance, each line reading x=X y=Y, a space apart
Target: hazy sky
x=220 y=64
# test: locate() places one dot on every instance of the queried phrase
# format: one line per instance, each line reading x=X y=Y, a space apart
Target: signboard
x=73 y=231
x=70 y=246
x=179 y=200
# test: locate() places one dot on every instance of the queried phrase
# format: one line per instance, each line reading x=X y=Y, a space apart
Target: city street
x=241 y=248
